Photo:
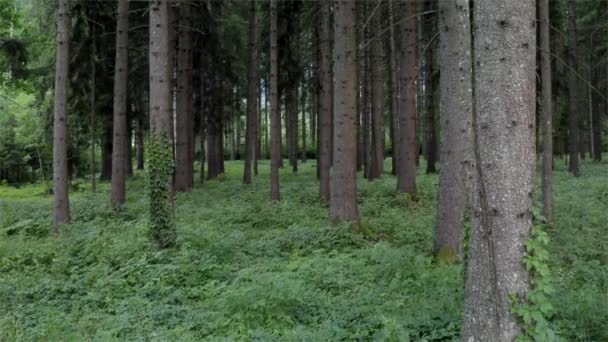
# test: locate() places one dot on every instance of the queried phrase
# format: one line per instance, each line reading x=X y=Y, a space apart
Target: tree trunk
x=547 y=111
x=573 y=116
x=505 y=44
x=275 y=193
x=92 y=119
x=394 y=87
x=184 y=118
x=408 y=147
x=106 y=148
x=215 y=117
x=121 y=71
x=325 y=95
x=139 y=137
x=252 y=96
x=429 y=26
x=61 y=209
x=343 y=206
x=377 y=75
x=129 y=149
x=457 y=124
x=161 y=126
x=292 y=125
x=303 y=98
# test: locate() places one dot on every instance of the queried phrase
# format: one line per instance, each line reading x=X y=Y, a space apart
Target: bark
x=377 y=79
x=573 y=116
x=547 y=111
x=457 y=123
x=343 y=205
x=252 y=96
x=275 y=194
x=504 y=126
x=215 y=116
x=61 y=209
x=121 y=71
x=325 y=101
x=408 y=147
x=161 y=109
x=184 y=117
x=394 y=87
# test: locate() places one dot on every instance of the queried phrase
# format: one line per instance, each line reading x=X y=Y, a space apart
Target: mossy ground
x=249 y=269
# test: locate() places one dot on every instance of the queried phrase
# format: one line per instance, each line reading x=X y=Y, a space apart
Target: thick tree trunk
x=504 y=126
x=161 y=124
x=547 y=111
x=573 y=116
x=377 y=75
x=275 y=193
x=61 y=209
x=394 y=87
x=121 y=71
x=184 y=117
x=343 y=205
x=457 y=124
x=252 y=96
x=408 y=147
x=325 y=101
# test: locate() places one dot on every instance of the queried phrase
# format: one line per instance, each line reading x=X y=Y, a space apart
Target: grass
x=250 y=269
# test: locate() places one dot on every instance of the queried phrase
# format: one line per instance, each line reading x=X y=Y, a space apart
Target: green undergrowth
x=245 y=268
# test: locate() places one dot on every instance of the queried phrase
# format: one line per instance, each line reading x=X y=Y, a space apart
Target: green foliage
x=536 y=310
x=160 y=195
x=250 y=269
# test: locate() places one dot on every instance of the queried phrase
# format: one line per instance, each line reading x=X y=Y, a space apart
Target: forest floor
x=249 y=269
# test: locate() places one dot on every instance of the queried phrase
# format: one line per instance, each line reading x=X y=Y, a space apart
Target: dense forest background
x=303 y=170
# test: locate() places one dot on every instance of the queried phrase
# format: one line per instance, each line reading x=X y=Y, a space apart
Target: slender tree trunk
x=184 y=117
x=325 y=95
x=129 y=148
x=292 y=125
x=547 y=111
x=377 y=75
x=408 y=147
x=303 y=98
x=106 y=148
x=457 y=124
x=252 y=89
x=429 y=27
x=275 y=193
x=121 y=71
x=573 y=116
x=92 y=119
x=61 y=209
x=505 y=44
x=161 y=125
x=343 y=205
x=394 y=87
x=139 y=137
x=258 y=123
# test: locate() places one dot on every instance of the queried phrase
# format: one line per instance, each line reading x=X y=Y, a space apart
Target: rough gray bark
x=504 y=128
x=119 y=155
x=325 y=95
x=457 y=124
x=408 y=147
x=376 y=168
x=547 y=112
x=61 y=208
x=394 y=88
x=184 y=117
x=430 y=139
x=573 y=115
x=252 y=96
x=343 y=205
x=275 y=152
